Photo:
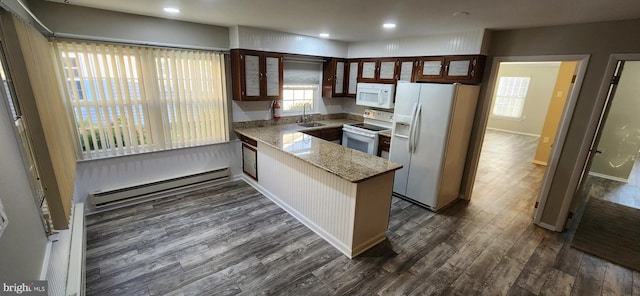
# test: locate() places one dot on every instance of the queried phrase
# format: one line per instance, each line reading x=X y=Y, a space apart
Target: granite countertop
x=349 y=164
x=386 y=133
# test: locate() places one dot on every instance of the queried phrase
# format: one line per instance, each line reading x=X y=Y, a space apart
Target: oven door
x=362 y=141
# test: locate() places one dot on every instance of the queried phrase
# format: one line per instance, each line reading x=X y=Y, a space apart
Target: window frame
x=510 y=97
x=313 y=109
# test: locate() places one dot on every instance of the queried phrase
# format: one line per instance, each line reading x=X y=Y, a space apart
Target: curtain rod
x=29 y=12
x=84 y=38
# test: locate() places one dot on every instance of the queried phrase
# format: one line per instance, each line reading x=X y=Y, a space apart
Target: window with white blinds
x=510 y=96
x=129 y=99
x=301 y=87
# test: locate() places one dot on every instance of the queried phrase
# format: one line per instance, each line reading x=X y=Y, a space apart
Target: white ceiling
x=360 y=20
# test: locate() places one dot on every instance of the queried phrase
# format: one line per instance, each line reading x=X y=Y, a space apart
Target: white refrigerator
x=431 y=129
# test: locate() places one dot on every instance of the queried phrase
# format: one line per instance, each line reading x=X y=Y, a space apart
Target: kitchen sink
x=311 y=124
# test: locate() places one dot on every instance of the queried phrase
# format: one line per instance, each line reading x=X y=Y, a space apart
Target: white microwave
x=375 y=95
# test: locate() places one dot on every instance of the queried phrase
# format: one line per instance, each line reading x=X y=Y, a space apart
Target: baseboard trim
x=544 y=163
x=513 y=132
x=599 y=175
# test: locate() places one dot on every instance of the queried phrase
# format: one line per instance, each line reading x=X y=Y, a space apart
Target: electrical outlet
x=545 y=140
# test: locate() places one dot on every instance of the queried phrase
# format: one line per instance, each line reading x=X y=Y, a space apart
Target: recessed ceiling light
x=461 y=13
x=171 y=10
x=389 y=25
x=324 y=35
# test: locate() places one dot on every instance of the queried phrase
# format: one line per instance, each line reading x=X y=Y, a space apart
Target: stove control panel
x=378 y=115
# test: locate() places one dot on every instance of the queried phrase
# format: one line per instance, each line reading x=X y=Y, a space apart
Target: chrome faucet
x=304 y=117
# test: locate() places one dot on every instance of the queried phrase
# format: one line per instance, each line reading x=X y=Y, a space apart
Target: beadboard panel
x=267 y=40
x=373 y=198
x=322 y=201
x=438 y=44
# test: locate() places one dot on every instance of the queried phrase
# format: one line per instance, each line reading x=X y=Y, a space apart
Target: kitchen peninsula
x=342 y=194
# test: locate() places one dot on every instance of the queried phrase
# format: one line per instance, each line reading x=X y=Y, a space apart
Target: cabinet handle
x=446 y=69
x=474 y=61
x=473 y=73
x=386 y=142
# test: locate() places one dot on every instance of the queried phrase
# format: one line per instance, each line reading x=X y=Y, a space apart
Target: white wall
x=267 y=40
x=543 y=80
x=23 y=243
x=68 y=20
x=436 y=44
x=349 y=106
x=112 y=173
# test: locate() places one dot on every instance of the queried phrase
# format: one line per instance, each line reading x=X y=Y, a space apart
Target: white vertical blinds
x=129 y=99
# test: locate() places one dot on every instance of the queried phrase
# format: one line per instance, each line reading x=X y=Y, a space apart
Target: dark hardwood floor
x=230 y=240
x=627 y=194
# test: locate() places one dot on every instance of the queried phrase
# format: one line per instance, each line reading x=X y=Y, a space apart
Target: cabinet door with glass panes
x=352 y=77
x=462 y=69
x=368 y=70
x=405 y=70
x=334 y=78
x=256 y=75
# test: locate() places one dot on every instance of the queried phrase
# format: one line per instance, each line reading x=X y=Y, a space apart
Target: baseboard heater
x=114 y=197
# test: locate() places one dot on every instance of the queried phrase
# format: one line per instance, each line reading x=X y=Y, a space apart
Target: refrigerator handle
x=413 y=119
x=416 y=127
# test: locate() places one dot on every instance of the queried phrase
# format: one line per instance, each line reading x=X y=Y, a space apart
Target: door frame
x=561 y=132
x=578 y=173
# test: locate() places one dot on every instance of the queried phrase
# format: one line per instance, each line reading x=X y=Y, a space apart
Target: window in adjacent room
x=301 y=88
x=129 y=99
x=510 y=96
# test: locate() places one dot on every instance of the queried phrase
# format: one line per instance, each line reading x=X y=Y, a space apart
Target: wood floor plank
x=539 y=265
x=636 y=283
x=590 y=277
x=228 y=239
x=557 y=283
x=502 y=277
x=617 y=280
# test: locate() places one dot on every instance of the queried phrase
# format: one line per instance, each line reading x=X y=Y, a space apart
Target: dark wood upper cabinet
x=406 y=69
x=368 y=70
x=334 y=78
x=352 y=77
x=463 y=69
x=429 y=68
x=386 y=70
x=256 y=75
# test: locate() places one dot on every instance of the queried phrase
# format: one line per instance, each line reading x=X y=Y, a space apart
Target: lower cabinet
x=250 y=157
x=384 y=144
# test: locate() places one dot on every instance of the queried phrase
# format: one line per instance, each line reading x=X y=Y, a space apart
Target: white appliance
x=377 y=95
x=364 y=136
x=431 y=129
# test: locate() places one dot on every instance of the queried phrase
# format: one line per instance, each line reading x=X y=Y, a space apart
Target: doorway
x=527 y=101
x=541 y=191
x=614 y=172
